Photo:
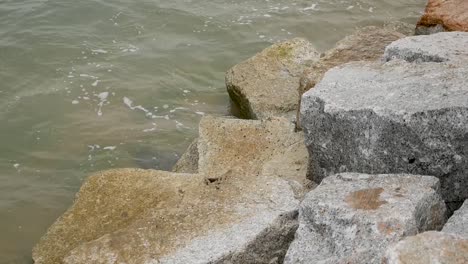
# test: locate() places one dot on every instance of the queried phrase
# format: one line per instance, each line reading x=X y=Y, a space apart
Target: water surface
x=98 y=84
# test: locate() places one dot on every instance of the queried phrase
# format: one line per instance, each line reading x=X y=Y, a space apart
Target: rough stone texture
x=146 y=216
x=266 y=84
x=352 y=218
x=396 y=117
x=188 y=162
x=429 y=248
x=440 y=47
x=458 y=222
x=253 y=147
x=444 y=15
x=367 y=44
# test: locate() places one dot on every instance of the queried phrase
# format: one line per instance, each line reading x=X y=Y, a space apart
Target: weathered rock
x=352 y=218
x=458 y=223
x=444 y=15
x=188 y=162
x=367 y=44
x=429 y=248
x=146 y=216
x=253 y=147
x=266 y=84
x=396 y=117
x=441 y=47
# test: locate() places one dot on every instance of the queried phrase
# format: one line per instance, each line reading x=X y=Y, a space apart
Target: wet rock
x=429 y=248
x=443 y=15
x=458 y=222
x=396 y=117
x=147 y=216
x=253 y=147
x=441 y=47
x=266 y=84
x=188 y=162
x=367 y=44
x=352 y=218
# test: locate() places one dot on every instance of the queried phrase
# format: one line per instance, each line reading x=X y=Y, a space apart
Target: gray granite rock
x=188 y=162
x=352 y=218
x=396 y=117
x=429 y=248
x=440 y=47
x=458 y=222
x=266 y=84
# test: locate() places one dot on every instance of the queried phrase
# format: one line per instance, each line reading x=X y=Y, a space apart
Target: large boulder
x=458 y=223
x=444 y=15
x=146 y=216
x=429 y=248
x=396 y=117
x=441 y=47
x=352 y=218
x=266 y=84
x=366 y=44
x=188 y=162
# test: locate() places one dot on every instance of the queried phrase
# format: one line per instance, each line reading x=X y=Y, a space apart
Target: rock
x=188 y=162
x=400 y=26
x=253 y=147
x=352 y=218
x=396 y=117
x=440 y=47
x=147 y=216
x=367 y=44
x=443 y=15
x=458 y=223
x=266 y=84
x=429 y=248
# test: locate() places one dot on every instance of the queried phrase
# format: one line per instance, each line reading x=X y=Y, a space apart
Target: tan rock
x=444 y=15
x=367 y=44
x=266 y=84
x=188 y=162
x=429 y=248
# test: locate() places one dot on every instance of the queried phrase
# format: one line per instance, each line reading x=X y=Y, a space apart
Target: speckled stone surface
x=458 y=222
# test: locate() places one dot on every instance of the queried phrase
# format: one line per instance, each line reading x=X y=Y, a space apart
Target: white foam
x=75 y=102
x=95 y=83
x=99 y=51
x=110 y=148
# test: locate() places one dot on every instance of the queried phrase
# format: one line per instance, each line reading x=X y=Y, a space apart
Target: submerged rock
x=266 y=84
x=441 y=47
x=188 y=162
x=429 y=248
x=396 y=117
x=458 y=222
x=352 y=218
x=367 y=44
x=444 y=15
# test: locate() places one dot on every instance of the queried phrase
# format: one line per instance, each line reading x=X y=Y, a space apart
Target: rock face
x=266 y=84
x=440 y=47
x=352 y=218
x=458 y=223
x=444 y=15
x=396 y=117
x=240 y=208
x=429 y=248
x=188 y=162
x=367 y=44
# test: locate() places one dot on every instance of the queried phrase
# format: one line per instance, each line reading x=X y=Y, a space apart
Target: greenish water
x=98 y=84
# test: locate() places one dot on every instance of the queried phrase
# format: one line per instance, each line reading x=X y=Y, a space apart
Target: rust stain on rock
x=367 y=199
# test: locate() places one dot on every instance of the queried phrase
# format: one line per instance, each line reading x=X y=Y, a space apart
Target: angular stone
x=367 y=44
x=396 y=117
x=352 y=218
x=443 y=15
x=458 y=222
x=253 y=147
x=188 y=162
x=146 y=216
x=266 y=84
x=440 y=47
x=429 y=248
